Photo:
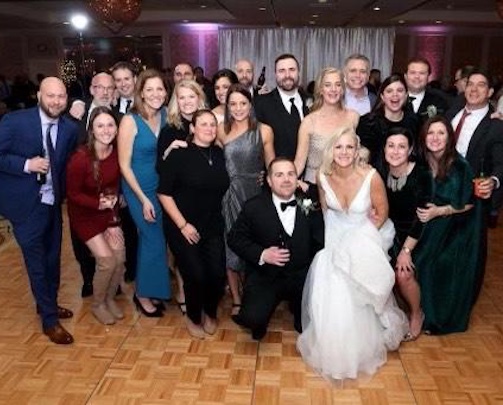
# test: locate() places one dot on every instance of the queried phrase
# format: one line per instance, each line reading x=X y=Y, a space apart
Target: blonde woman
x=327 y=115
x=349 y=316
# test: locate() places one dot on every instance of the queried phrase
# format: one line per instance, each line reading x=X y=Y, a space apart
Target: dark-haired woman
x=192 y=183
x=388 y=112
x=221 y=81
x=248 y=149
x=409 y=185
x=93 y=177
x=137 y=146
x=447 y=256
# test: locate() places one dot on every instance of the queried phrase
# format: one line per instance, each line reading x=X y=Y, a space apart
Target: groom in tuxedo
x=274 y=235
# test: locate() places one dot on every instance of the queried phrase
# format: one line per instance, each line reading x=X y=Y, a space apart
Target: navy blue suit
x=37 y=226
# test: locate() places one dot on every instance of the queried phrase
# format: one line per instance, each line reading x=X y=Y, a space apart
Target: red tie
x=461 y=122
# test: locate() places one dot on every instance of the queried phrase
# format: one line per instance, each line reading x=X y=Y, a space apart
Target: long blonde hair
x=326 y=166
x=318 y=85
x=174 y=114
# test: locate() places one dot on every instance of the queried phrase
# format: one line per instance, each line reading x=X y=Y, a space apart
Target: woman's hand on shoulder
x=176 y=144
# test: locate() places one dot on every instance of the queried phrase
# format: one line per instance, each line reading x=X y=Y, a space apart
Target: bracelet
x=183 y=226
x=406 y=249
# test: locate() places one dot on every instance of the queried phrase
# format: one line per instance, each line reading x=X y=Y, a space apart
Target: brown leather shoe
x=59 y=335
x=64 y=313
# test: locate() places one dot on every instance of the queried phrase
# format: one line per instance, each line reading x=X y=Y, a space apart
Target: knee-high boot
x=115 y=281
x=105 y=267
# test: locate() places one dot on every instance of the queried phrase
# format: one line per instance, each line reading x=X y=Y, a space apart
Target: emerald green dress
x=447 y=256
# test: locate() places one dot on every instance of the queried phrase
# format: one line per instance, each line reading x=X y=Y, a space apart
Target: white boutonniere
x=431 y=110
x=306 y=205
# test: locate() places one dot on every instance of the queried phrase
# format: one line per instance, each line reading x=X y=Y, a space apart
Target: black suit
x=258 y=227
x=485 y=147
x=270 y=110
x=431 y=98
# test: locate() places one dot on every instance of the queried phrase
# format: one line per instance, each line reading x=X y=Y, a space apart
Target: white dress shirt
x=287 y=217
x=418 y=99
x=123 y=104
x=471 y=123
x=285 y=98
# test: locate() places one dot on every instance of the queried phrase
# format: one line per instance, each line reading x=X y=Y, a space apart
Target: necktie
x=128 y=105
x=285 y=205
x=294 y=112
x=411 y=99
x=52 y=162
x=461 y=122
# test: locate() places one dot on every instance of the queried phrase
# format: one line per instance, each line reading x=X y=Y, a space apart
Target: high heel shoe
x=411 y=336
x=156 y=314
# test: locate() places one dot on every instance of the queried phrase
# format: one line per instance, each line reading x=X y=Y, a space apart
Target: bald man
x=245 y=72
x=34 y=147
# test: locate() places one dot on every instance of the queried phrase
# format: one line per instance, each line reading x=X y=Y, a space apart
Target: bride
x=349 y=315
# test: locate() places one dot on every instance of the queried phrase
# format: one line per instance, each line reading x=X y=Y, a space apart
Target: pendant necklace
x=207 y=158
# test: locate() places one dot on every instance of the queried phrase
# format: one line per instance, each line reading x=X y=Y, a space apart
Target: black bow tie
x=284 y=205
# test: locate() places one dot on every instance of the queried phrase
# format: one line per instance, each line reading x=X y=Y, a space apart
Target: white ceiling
x=44 y=14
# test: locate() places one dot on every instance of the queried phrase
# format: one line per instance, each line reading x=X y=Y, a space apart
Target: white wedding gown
x=350 y=318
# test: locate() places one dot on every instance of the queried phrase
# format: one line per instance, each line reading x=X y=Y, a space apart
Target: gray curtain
x=315 y=48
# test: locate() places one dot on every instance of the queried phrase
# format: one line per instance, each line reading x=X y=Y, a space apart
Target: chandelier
x=115 y=14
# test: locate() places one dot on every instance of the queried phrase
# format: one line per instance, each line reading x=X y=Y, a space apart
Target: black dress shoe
x=237 y=319
x=156 y=314
x=259 y=333
x=59 y=335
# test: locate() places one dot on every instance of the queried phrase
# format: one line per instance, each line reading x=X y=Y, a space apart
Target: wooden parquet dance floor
x=154 y=361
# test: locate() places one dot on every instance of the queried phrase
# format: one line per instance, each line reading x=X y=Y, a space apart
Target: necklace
x=208 y=158
x=396 y=183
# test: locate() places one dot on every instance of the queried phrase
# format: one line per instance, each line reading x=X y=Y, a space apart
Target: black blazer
x=434 y=98
x=258 y=227
x=270 y=110
x=486 y=143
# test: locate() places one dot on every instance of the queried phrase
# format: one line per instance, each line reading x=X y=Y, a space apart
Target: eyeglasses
x=103 y=88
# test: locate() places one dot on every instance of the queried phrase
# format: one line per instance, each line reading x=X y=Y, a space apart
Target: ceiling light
x=185 y=21
x=322 y=1
x=262 y=8
x=312 y=22
x=377 y=8
x=315 y=15
x=203 y=6
x=79 y=21
x=438 y=21
x=401 y=21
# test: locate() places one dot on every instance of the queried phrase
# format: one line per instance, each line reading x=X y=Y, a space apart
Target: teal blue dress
x=448 y=255
x=152 y=277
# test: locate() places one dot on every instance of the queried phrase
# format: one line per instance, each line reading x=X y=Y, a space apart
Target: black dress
x=417 y=191
x=168 y=134
x=372 y=130
x=196 y=178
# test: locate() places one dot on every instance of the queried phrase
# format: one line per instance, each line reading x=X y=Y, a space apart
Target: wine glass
x=110 y=194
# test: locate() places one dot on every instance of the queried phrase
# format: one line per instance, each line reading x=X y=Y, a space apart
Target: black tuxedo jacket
x=270 y=110
x=434 y=98
x=258 y=227
x=487 y=144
